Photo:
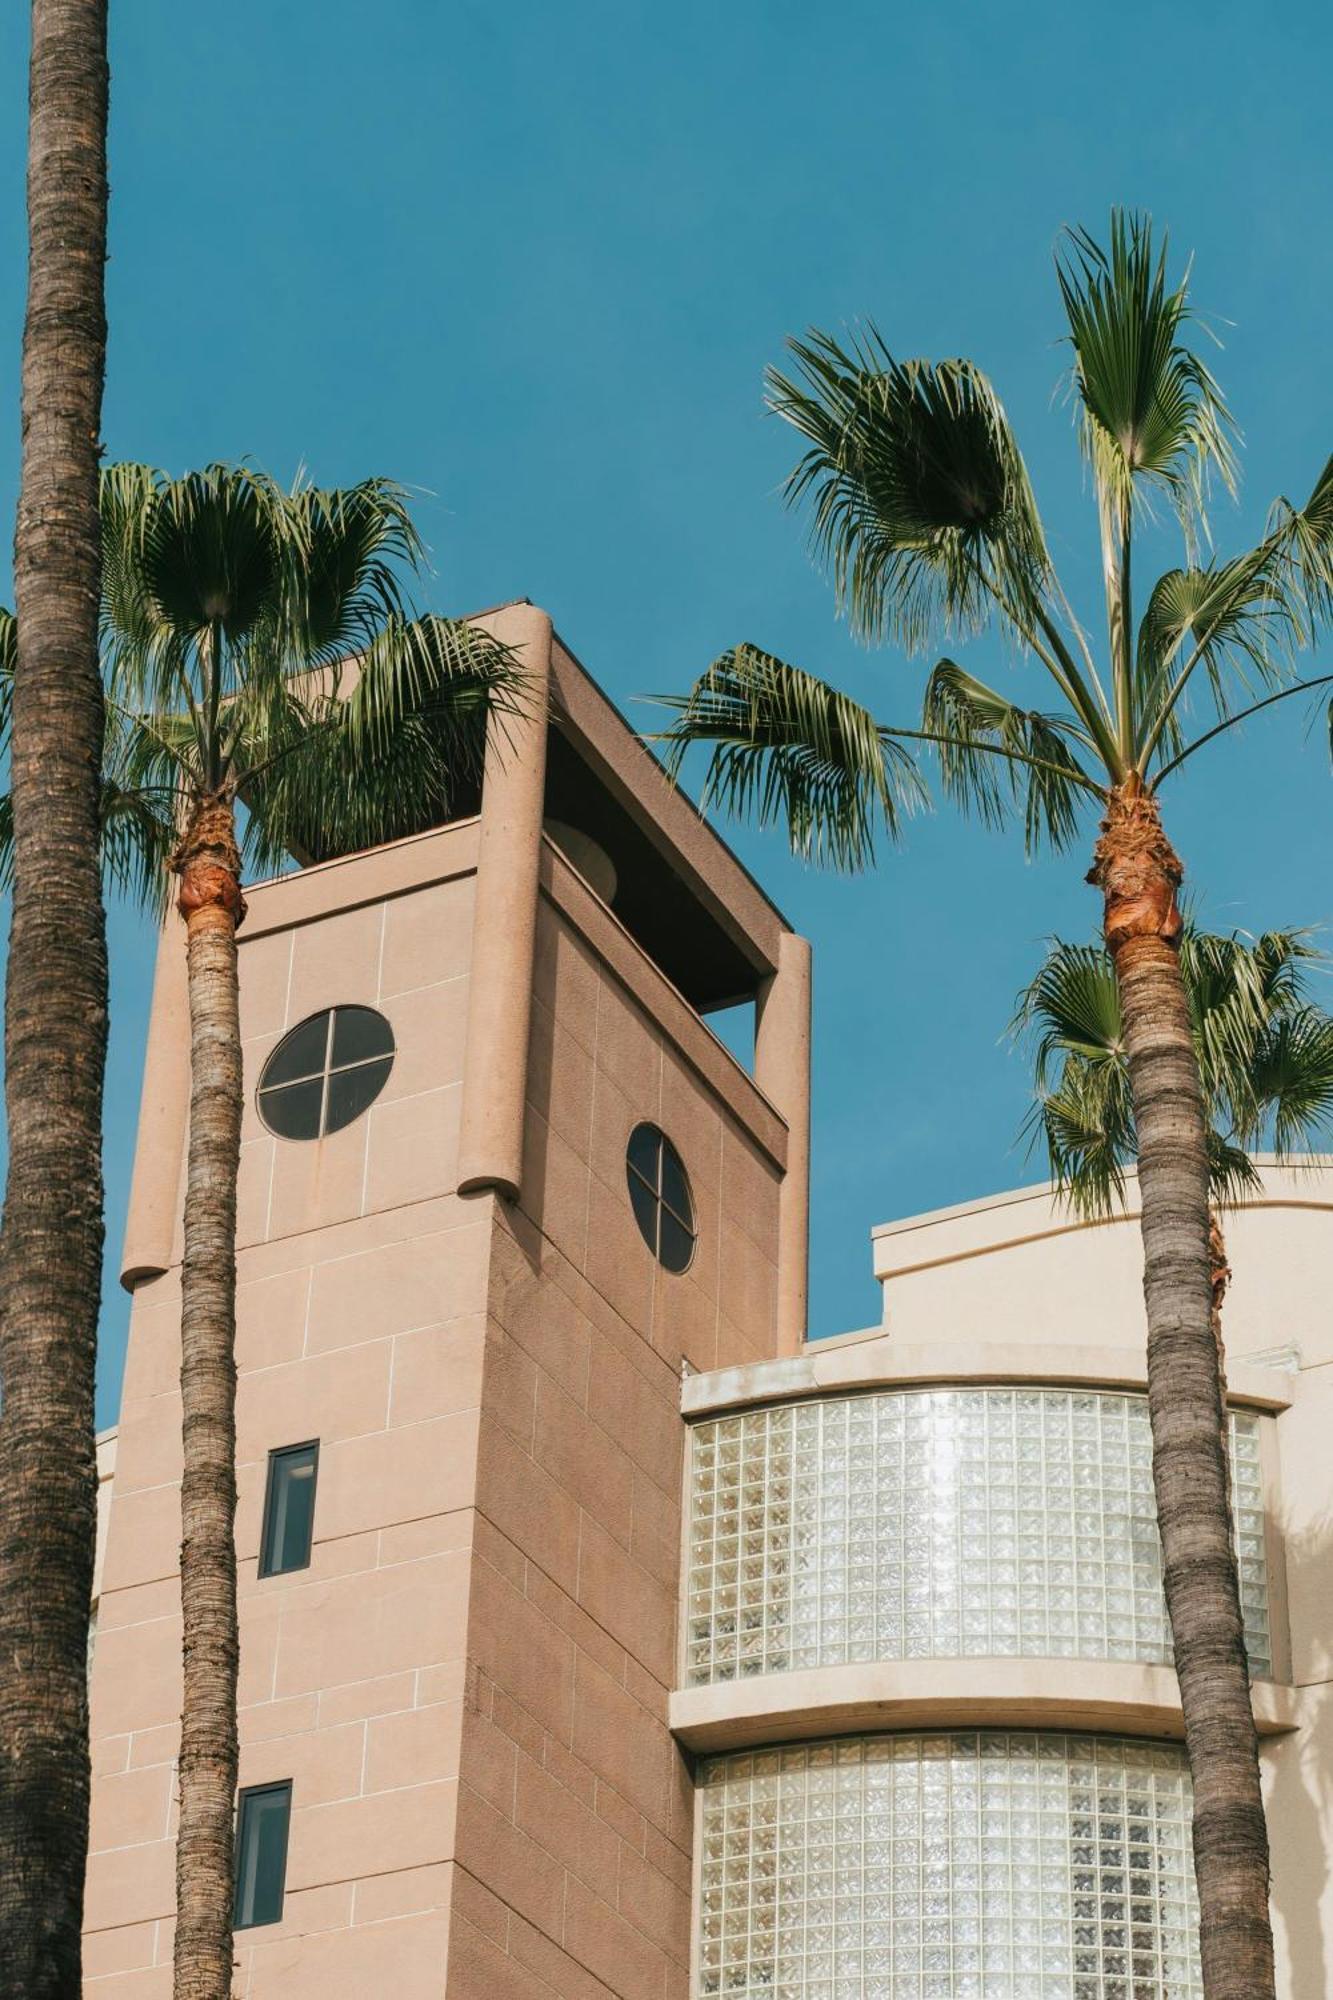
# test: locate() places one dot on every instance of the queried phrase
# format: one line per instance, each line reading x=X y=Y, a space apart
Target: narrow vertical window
x=289 y=1509
x=262 y=1821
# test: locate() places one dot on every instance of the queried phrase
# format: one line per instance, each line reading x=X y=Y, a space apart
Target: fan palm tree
x=923 y=511
x=55 y=1025
x=231 y=612
x=1265 y=1054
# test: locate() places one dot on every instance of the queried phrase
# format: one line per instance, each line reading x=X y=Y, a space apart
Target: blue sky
x=534 y=260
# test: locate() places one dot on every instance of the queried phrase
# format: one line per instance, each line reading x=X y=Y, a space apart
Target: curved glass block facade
x=940 y=1524
x=972 y=1866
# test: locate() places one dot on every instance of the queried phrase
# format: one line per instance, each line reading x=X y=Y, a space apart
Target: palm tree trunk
x=1138 y=873
x=1219 y=1277
x=55 y=1027
x=210 y=900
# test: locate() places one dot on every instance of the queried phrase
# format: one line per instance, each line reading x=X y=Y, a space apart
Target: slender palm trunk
x=55 y=1027
x=1138 y=873
x=211 y=903
x=1219 y=1277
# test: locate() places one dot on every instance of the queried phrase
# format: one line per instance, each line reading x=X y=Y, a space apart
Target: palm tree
x=55 y=1024
x=231 y=613
x=1265 y=1055
x=923 y=511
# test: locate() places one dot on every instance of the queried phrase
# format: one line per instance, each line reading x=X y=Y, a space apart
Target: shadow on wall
x=1300 y=1795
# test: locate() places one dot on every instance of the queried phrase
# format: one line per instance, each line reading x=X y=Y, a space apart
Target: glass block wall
x=973 y=1866
x=940 y=1523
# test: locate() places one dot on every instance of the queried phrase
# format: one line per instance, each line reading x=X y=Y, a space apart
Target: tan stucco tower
x=453 y=1296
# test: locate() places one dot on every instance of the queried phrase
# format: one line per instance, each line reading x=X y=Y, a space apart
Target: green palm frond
x=257 y=644
x=789 y=750
x=322 y=772
x=996 y=758
x=1265 y=1060
x=1293 y=1080
x=1152 y=413
x=354 y=546
x=921 y=500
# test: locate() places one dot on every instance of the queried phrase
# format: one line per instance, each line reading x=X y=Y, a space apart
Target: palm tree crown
x=923 y=512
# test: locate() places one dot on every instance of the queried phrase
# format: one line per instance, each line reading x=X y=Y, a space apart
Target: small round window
x=326 y=1072
x=660 y=1194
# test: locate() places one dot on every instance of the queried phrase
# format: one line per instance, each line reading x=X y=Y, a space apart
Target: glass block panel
x=941 y=1524
x=998 y=1864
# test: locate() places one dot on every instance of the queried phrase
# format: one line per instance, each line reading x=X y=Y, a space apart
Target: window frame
x=326 y=1074
x=278 y=1453
x=248 y=1793
x=634 y=1175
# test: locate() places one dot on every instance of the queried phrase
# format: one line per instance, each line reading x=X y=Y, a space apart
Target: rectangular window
x=262 y=1820
x=289 y=1510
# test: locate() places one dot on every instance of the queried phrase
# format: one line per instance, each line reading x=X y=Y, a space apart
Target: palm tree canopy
x=232 y=615
x=922 y=511
x=1265 y=1051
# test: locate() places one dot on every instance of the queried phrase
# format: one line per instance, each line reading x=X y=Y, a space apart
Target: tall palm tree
x=55 y=1024
x=923 y=511
x=231 y=615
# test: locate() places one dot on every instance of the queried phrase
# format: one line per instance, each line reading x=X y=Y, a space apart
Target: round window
x=326 y=1072
x=660 y=1194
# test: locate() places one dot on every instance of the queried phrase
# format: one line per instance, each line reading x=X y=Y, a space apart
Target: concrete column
x=164 y=1111
x=504 y=929
x=782 y=1071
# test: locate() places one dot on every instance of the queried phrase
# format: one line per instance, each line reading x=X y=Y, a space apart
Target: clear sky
x=534 y=259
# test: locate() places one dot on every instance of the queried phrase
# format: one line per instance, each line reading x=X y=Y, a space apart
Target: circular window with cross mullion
x=659 y=1192
x=326 y=1072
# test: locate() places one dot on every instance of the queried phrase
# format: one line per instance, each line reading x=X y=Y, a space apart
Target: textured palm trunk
x=55 y=1027
x=211 y=903
x=1138 y=873
x=1219 y=1277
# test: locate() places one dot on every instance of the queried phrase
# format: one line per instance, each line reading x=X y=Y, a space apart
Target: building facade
x=600 y=1636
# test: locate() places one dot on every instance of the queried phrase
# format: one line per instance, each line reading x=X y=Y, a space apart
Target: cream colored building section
x=1011 y=1290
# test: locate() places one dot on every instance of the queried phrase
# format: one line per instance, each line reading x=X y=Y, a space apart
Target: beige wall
x=360 y=1321
x=575 y=1806
x=468 y=1686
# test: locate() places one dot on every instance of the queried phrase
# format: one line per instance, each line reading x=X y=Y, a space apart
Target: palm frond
x=1237 y=620
x=1152 y=414
x=1293 y=1081
x=997 y=759
x=1305 y=535
x=921 y=501
x=788 y=750
x=323 y=771
x=1265 y=1056
x=353 y=545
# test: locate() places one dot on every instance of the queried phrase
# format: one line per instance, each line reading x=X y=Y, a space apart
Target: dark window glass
x=262 y=1821
x=659 y=1192
x=294 y=1111
x=352 y=1091
x=358 y=1034
x=302 y=1053
x=676 y=1246
x=645 y=1152
x=326 y=1072
x=289 y=1509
